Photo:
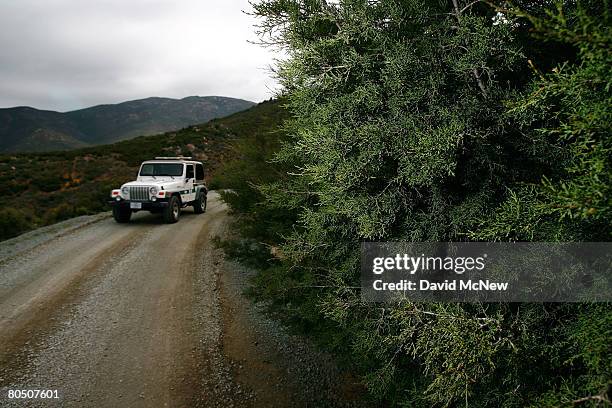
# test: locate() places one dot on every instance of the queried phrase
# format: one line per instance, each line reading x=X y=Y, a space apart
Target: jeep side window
x=199 y=172
x=189 y=171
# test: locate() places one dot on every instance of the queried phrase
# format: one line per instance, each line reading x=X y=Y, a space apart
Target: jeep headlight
x=125 y=190
x=153 y=190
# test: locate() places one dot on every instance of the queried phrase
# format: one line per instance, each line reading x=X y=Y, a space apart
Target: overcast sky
x=69 y=54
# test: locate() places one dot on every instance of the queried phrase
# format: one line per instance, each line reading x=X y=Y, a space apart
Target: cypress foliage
x=565 y=116
x=421 y=121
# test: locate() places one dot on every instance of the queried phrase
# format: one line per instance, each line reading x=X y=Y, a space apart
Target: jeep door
x=189 y=184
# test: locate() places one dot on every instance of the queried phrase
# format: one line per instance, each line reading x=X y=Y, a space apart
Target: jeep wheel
x=199 y=205
x=121 y=214
x=172 y=211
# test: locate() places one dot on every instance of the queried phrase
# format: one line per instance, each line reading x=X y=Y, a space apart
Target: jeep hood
x=166 y=183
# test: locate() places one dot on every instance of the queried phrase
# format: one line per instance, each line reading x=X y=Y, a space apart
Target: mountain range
x=26 y=129
x=53 y=186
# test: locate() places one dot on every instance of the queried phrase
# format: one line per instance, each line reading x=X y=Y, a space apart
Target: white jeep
x=164 y=185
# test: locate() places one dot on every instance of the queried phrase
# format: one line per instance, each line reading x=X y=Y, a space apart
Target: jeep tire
x=199 y=205
x=172 y=212
x=121 y=214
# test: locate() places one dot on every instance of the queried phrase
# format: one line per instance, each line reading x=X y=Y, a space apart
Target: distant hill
x=25 y=129
x=39 y=189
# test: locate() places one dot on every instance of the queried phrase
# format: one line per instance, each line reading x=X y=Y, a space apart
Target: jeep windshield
x=161 y=169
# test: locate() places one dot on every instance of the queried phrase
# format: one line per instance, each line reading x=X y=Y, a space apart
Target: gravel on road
x=148 y=314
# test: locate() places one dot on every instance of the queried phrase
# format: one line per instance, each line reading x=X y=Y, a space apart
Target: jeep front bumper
x=139 y=205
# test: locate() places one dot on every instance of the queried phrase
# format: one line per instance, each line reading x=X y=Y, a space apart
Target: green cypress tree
x=400 y=131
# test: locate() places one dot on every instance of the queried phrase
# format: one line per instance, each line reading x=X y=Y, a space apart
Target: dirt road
x=137 y=315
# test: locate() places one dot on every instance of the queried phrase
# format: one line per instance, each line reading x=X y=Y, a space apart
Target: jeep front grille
x=139 y=193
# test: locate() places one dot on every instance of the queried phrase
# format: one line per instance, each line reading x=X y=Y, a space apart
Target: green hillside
x=25 y=129
x=38 y=189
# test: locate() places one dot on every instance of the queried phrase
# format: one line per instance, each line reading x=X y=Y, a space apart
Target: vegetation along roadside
x=433 y=121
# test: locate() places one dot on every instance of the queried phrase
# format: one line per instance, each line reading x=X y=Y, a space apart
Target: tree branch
x=475 y=71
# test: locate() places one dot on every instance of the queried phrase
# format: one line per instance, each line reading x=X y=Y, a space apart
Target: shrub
x=401 y=130
x=12 y=223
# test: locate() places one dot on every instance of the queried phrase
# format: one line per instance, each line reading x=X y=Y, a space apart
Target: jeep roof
x=180 y=159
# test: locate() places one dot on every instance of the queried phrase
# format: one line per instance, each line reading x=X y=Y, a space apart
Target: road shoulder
x=277 y=368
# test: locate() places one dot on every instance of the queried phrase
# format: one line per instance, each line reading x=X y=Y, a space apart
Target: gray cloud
x=69 y=54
